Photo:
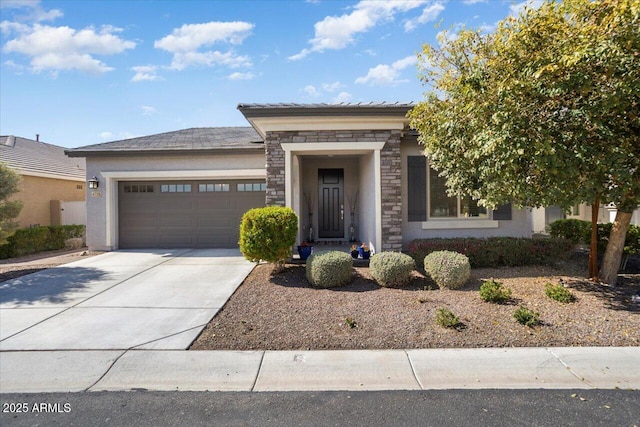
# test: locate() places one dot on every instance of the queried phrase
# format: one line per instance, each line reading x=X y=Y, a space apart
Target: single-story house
x=52 y=189
x=350 y=171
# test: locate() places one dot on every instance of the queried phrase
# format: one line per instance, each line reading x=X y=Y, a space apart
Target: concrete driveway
x=156 y=299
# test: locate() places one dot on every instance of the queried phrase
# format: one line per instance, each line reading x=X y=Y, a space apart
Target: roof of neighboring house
x=194 y=139
x=359 y=109
x=37 y=158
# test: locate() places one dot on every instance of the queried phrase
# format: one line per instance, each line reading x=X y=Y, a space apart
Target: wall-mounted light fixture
x=94 y=183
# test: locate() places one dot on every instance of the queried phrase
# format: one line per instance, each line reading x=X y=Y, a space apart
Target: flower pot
x=366 y=255
x=304 y=252
x=354 y=254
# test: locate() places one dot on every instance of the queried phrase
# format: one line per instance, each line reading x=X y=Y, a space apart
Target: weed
x=526 y=317
x=558 y=293
x=350 y=322
x=447 y=319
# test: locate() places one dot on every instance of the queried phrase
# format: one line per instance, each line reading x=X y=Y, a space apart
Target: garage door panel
x=203 y=217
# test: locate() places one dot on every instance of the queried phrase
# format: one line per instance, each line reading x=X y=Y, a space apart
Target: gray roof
x=292 y=109
x=194 y=139
x=37 y=157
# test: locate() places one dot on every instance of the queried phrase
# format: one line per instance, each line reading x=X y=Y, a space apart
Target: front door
x=330 y=203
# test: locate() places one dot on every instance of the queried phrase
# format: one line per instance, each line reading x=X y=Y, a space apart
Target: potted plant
x=304 y=250
x=365 y=252
x=354 y=251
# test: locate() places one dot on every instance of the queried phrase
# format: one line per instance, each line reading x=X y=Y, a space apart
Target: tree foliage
x=9 y=209
x=551 y=97
x=544 y=111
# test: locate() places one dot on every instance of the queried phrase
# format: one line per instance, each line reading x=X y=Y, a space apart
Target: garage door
x=185 y=214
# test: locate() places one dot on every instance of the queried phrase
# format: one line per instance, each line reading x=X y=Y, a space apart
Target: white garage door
x=185 y=214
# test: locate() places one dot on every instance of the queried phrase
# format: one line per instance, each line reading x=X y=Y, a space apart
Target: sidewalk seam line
x=413 y=370
x=255 y=380
x=106 y=372
x=582 y=379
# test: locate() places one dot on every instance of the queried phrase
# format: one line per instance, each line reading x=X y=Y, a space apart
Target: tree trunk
x=593 y=252
x=613 y=254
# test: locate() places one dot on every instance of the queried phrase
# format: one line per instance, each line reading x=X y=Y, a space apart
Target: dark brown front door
x=331 y=203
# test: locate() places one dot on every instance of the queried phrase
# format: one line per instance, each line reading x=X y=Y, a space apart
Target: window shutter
x=417 y=188
x=502 y=212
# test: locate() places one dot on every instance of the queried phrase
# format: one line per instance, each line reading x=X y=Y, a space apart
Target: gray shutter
x=417 y=188
x=502 y=212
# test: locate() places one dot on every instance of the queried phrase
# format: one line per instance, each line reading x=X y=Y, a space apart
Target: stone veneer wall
x=390 y=172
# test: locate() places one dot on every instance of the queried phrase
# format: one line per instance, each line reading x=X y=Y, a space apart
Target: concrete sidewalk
x=496 y=368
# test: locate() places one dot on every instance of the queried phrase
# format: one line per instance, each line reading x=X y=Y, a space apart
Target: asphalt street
x=378 y=408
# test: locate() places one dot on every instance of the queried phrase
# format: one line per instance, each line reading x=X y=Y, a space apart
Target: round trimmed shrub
x=329 y=269
x=268 y=234
x=448 y=269
x=391 y=269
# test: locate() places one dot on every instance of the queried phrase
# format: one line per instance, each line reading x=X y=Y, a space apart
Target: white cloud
x=145 y=73
x=332 y=87
x=518 y=8
x=241 y=76
x=387 y=75
x=430 y=13
x=186 y=42
x=342 y=97
x=33 y=8
x=105 y=135
x=337 y=32
x=64 y=48
x=474 y=1
x=311 y=91
x=147 y=110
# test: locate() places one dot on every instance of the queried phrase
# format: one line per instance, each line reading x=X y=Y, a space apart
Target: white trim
x=458 y=224
x=333 y=147
x=49 y=175
x=333 y=123
x=378 y=198
x=187 y=174
x=288 y=185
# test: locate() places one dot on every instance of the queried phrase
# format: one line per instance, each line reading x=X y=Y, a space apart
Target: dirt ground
x=283 y=312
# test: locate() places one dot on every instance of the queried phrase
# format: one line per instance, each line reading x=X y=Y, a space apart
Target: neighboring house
x=51 y=181
x=542 y=217
x=189 y=188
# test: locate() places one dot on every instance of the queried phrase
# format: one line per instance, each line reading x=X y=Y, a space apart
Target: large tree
x=543 y=111
x=9 y=209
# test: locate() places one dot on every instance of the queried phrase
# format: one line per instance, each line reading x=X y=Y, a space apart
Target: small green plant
x=350 y=322
x=558 y=293
x=526 y=317
x=448 y=269
x=329 y=269
x=392 y=269
x=446 y=319
x=492 y=291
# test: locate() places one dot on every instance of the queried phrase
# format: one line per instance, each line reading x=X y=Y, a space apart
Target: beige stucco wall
x=36 y=194
x=520 y=224
x=102 y=204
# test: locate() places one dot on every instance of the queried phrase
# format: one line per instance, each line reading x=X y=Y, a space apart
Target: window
x=443 y=206
x=138 y=188
x=417 y=188
x=253 y=186
x=175 y=188
x=213 y=188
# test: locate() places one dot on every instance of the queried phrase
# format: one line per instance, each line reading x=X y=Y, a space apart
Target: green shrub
x=580 y=232
x=448 y=269
x=391 y=269
x=496 y=251
x=492 y=291
x=570 y=229
x=558 y=293
x=268 y=234
x=38 y=239
x=526 y=317
x=447 y=319
x=329 y=269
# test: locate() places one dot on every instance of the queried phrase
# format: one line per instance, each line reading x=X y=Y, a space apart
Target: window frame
x=487 y=216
